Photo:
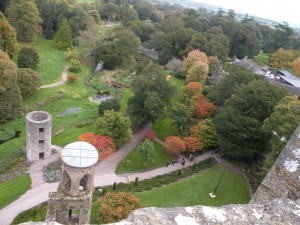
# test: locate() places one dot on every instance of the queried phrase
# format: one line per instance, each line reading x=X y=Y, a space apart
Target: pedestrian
x=192 y=158
x=174 y=162
x=168 y=163
x=183 y=163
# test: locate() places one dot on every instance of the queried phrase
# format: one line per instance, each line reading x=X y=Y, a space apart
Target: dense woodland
x=235 y=115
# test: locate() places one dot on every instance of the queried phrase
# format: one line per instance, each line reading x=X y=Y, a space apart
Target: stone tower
x=38 y=135
x=72 y=202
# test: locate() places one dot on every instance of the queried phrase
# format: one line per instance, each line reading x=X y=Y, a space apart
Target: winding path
x=104 y=175
x=64 y=77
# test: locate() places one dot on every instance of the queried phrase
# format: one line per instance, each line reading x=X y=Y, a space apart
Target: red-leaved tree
x=192 y=144
x=103 y=144
x=204 y=109
x=150 y=134
x=116 y=206
x=174 y=145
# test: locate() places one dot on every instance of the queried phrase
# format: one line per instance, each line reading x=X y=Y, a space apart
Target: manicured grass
x=136 y=164
x=164 y=128
x=262 y=58
x=94 y=210
x=178 y=83
x=12 y=189
x=52 y=61
x=194 y=191
x=71 y=135
x=35 y=214
x=126 y=95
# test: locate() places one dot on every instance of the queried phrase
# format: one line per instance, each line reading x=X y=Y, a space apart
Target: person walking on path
x=174 y=162
x=168 y=163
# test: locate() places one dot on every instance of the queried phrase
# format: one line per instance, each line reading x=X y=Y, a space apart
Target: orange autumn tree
x=192 y=57
x=204 y=109
x=192 y=144
x=116 y=206
x=174 y=145
x=103 y=144
x=296 y=66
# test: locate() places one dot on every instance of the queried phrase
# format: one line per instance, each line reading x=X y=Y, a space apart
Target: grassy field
x=9 y=192
x=95 y=208
x=124 y=100
x=52 y=61
x=262 y=58
x=71 y=135
x=163 y=128
x=136 y=164
x=194 y=191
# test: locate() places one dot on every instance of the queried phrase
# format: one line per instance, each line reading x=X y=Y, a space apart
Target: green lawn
x=163 y=128
x=178 y=83
x=124 y=100
x=194 y=191
x=95 y=208
x=9 y=192
x=34 y=214
x=52 y=61
x=71 y=135
x=136 y=164
x=262 y=58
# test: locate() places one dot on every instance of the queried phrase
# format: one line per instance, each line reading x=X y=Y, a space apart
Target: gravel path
x=64 y=77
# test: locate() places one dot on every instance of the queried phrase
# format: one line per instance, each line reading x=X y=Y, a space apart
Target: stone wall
x=59 y=206
x=283 y=180
x=38 y=135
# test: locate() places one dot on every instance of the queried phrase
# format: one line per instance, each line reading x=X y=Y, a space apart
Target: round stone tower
x=38 y=135
x=71 y=204
x=78 y=167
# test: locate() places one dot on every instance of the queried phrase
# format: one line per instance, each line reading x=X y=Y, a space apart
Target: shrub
x=52 y=172
x=116 y=206
x=109 y=104
x=28 y=58
x=150 y=134
x=136 y=181
x=114 y=186
x=28 y=81
x=71 y=54
x=72 y=77
x=174 y=145
x=35 y=214
x=75 y=66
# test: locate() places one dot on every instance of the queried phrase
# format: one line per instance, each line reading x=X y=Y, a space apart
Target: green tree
x=109 y=11
x=151 y=95
x=95 y=14
x=109 y=104
x=10 y=95
x=28 y=58
x=219 y=93
x=28 y=81
x=114 y=125
x=8 y=41
x=206 y=132
x=146 y=151
x=281 y=125
x=25 y=18
x=198 y=72
x=240 y=137
x=63 y=37
x=130 y=15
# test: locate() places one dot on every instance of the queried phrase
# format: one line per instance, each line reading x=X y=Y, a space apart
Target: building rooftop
x=287 y=76
x=79 y=154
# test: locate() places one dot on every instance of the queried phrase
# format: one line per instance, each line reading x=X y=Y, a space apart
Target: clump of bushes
x=75 y=66
x=35 y=214
x=28 y=58
x=72 y=77
x=52 y=172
